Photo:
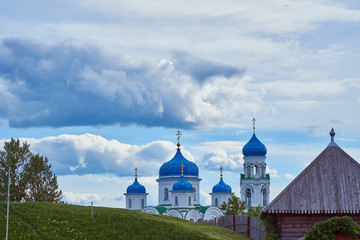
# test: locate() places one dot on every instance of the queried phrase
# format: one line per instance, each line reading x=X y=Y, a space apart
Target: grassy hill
x=33 y=220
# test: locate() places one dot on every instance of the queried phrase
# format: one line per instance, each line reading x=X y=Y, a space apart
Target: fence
x=247 y=225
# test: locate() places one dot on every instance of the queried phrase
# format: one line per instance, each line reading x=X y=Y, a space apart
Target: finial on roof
x=254 y=125
x=332 y=142
x=178 y=138
x=221 y=169
x=136 y=173
x=182 y=170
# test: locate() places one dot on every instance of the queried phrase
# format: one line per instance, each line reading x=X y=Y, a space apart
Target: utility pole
x=8 y=201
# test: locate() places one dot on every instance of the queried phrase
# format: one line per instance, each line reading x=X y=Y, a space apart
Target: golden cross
x=254 y=124
x=221 y=169
x=178 y=138
x=182 y=170
x=136 y=172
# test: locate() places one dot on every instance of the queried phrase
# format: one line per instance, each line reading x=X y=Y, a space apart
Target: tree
x=41 y=182
x=31 y=176
x=15 y=156
x=254 y=211
x=234 y=206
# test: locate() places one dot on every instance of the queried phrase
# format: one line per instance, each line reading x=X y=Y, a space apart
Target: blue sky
x=101 y=87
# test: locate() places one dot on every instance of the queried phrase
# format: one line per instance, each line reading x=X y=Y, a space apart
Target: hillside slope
x=33 y=220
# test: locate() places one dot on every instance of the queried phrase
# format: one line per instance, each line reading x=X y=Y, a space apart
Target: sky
x=102 y=87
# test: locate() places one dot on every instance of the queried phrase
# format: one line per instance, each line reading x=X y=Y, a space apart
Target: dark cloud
x=203 y=69
x=73 y=84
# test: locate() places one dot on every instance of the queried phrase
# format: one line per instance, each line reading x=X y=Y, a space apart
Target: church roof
x=173 y=167
x=330 y=184
x=221 y=187
x=182 y=185
x=254 y=147
x=136 y=187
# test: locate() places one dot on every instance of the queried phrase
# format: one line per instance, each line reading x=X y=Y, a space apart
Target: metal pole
x=7 y=214
x=92 y=212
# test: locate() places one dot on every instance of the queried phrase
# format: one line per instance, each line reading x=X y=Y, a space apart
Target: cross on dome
x=254 y=124
x=136 y=172
x=221 y=175
x=178 y=138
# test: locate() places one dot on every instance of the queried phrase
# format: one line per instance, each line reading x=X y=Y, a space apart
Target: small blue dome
x=136 y=187
x=173 y=167
x=182 y=185
x=221 y=187
x=254 y=147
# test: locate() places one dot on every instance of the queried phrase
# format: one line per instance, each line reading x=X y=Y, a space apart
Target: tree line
x=31 y=178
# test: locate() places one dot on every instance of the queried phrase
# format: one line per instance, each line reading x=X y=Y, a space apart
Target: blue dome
x=254 y=147
x=182 y=185
x=136 y=187
x=221 y=187
x=173 y=167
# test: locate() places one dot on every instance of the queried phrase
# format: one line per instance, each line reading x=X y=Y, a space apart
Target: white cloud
x=205 y=198
x=84 y=198
x=88 y=153
x=289 y=176
x=273 y=172
x=219 y=158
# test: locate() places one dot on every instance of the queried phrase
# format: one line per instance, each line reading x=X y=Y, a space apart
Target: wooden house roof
x=330 y=184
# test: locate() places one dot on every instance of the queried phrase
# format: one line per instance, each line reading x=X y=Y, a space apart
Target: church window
x=216 y=202
x=264 y=197
x=249 y=171
x=194 y=194
x=130 y=205
x=256 y=170
x=248 y=197
x=176 y=201
x=142 y=203
x=189 y=201
x=166 y=194
x=263 y=171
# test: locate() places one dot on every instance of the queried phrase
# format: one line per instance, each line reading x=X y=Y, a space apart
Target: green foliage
x=31 y=176
x=234 y=206
x=41 y=184
x=328 y=228
x=270 y=223
x=35 y=220
x=254 y=211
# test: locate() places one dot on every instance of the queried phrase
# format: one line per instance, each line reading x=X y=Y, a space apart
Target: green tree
x=234 y=206
x=41 y=183
x=31 y=176
x=254 y=211
x=15 y=155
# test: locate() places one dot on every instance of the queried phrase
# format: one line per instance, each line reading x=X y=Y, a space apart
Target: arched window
x=189 y=201
x=249 y=171
x=166 y=194
x=142 y=203
x=216 y=202
x=130 y=205
x=176 y=201
x=194 y=194
x=263 y=171
x=256 y=170
x=248 y=197
x=265 y=201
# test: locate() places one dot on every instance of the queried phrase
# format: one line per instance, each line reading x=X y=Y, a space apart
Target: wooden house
x=328 y=187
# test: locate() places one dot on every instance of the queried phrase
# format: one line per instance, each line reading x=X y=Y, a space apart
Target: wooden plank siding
x=330 y=184
x=295 y=226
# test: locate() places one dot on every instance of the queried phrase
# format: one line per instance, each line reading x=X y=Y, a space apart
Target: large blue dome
x=173 y=167
x=254 y=147
x=182 y=185
x=221 y=187
x=136 y=187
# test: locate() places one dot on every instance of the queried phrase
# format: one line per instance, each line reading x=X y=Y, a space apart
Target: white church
x=179 y=186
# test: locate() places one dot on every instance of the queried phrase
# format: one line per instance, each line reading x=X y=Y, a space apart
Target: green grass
x=34 y=220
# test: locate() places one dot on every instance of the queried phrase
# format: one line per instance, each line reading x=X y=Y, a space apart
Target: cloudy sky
x=101 y=87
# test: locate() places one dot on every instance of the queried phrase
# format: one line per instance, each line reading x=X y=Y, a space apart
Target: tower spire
x=136 y=173
x=221 y=175
x=178 y=138
x=332 y=142
x=254 y=125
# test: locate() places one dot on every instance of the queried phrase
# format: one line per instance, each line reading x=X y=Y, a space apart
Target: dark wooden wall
x=294 y=226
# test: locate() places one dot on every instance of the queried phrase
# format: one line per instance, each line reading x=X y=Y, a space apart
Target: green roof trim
x=202 y=209
x=242 y=176
x=161 y=210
